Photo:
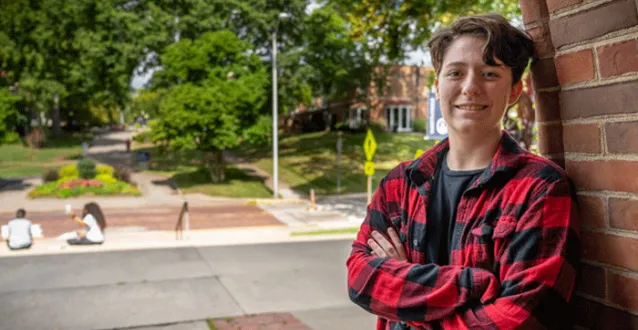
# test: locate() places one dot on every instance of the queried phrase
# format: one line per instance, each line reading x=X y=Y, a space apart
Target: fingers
x=385 y=245
x=384 y=248
x=377 y=251
x=396 y=242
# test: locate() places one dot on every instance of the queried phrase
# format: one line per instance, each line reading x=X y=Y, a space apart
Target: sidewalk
x=124 y=240
x=285 y=191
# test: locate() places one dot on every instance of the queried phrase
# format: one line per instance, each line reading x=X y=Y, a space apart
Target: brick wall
x=586 y=83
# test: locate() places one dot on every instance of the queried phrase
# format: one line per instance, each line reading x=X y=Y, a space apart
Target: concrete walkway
x=285 y=191
x=175 y=288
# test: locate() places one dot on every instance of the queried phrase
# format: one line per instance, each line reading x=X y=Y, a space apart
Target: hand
x=383 y=248
x=72 y=214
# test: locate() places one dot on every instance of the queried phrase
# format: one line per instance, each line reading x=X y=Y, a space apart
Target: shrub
x=419 y=125
x=50 y=175
x=105 y=169
x=69 y=171
x=122 y=173
x=142 y=137
x=106 y=178
x=377 y=127
x=79 y=187
x=86 y=168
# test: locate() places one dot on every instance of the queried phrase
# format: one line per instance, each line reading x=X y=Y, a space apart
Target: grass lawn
x=17 y=160
x=310 y=160
x=186 y=171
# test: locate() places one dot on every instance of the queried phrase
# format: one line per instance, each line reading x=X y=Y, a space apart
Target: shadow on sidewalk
x=14 y=184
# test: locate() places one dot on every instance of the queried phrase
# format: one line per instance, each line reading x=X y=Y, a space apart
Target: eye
x=490 y=74
x=454 y=73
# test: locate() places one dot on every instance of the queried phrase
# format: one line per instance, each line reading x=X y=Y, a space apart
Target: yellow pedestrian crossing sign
x=368 y=168
x=369 y=146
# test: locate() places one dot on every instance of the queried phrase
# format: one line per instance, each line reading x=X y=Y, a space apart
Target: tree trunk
x=55 y=116
x=214 y=162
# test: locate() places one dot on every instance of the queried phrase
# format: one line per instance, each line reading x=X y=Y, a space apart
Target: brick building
x=586 y=86
x=396 y=107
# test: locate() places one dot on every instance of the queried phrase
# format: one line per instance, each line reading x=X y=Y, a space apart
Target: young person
x=20 y=236
x=94 y=223
x=476 y=233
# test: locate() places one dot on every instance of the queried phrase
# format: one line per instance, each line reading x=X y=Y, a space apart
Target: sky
x=416 y=57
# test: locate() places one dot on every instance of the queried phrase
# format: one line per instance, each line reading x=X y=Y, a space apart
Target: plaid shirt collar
x=508 y=157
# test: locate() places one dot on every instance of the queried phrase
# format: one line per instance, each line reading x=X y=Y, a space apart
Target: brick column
x=587 y=105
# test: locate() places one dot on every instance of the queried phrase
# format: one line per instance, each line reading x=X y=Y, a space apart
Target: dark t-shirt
x=447 y=189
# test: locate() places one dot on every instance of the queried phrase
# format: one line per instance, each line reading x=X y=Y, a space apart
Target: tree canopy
x=214 y=89
x=390 y=27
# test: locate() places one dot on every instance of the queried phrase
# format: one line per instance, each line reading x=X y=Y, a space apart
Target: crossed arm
x=534 y=284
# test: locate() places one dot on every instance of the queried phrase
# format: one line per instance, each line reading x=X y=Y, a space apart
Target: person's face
x=84 y=211
x=472 y=94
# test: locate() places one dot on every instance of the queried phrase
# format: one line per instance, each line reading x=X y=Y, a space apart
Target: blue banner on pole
x=437 y=127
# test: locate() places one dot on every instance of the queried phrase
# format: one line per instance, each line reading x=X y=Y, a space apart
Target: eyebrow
x=459 y=63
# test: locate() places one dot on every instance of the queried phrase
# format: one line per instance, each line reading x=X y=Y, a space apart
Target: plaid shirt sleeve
x=537 y=268
x=403 y=291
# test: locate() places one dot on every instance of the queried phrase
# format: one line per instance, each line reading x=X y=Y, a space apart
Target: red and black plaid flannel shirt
x=514 y=250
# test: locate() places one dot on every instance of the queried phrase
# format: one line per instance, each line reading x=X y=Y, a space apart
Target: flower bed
x=69 y=185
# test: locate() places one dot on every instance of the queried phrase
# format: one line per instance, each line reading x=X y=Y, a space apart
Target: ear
x=515 y=93
x=436 y=88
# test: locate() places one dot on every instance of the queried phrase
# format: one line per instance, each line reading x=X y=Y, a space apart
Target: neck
x=472 y=152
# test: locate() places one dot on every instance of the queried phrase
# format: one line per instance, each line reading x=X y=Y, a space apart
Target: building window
x=356 y=117
x=398 y=118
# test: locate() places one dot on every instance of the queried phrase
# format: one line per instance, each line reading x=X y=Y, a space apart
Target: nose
x=471 y=84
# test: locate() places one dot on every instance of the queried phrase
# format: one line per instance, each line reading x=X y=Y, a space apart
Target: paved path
x=160 y=218
x=169 y=287
x=285 y=191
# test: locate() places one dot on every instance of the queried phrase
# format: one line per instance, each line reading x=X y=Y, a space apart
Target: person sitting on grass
x=94 y=222
x=19 y=236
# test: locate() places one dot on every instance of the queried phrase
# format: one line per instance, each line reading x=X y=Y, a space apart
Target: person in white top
x=19 y=236
x=94 y=223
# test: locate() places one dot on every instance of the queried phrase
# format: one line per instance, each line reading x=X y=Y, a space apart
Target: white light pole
x=275 y=121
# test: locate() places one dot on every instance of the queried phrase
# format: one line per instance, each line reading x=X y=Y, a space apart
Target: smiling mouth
x=471 y=107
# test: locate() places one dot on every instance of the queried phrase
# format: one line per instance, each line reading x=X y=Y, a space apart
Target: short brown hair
x=503 y=41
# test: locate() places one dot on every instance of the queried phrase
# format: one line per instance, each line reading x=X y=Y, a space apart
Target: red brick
x=597 y=22
x=547 y=106
x=550 y=139
x=604 y=100
x=533 y=10
x=594 y=315
x=582 y=138
x=575 y=67
x=544 y=74
x=617 y=59
x=623 y=213
x=610 y=249
x=614 y=175
x=542 y=40
x=623 y=290
x=555 y=5
x=622 y=138
x=592 y=211
x=592 y=280
x=558 y=160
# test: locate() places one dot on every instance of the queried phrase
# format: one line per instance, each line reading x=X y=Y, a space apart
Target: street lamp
x=275 y=133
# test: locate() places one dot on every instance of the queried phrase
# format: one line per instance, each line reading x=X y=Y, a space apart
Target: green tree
x=78 y=52
x=390 y=27
x=8 y=113
x=215 y=90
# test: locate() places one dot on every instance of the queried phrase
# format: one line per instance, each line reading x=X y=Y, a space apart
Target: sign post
x=369 y=147
x=437 y=127
x=339 y=149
